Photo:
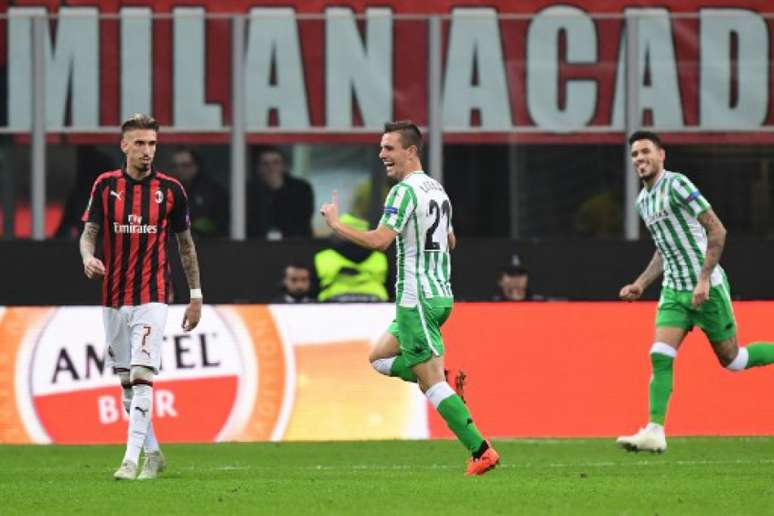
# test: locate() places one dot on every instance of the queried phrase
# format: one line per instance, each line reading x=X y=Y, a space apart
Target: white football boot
x=651 y=438
x=127 y=471
x=154 y=464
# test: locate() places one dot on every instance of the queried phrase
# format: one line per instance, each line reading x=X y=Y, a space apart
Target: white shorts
x=133 y=335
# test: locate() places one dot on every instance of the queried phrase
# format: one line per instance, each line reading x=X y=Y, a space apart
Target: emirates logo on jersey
x=135 y=225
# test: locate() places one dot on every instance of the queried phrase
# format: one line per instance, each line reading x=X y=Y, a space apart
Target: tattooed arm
x=654 y=269
x=92 y=266
x=716 y=241
x=191 y=268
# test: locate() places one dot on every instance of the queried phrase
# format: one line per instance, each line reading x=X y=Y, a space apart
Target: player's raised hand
x=701 y=292
x=193 y=313
x=330 y=210
x=630 y=292
x=93 y=268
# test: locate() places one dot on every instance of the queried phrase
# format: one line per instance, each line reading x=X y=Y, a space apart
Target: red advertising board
x=582 y=369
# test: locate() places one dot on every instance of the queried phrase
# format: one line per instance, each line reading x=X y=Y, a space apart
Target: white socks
x=439 y=392
x=739 y=363
x=383 y=365
x=151 y=444
x=139 y=420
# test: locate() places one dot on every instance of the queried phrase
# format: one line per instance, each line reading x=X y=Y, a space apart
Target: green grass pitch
x=725 y=476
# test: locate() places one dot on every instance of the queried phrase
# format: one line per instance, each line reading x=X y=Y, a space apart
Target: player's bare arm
x=93 y=267
x=188 y=258
x=379 y=239
x=654 y=269
x=716 y=241
x=452 y=241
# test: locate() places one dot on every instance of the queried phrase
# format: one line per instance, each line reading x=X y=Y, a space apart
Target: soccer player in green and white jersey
x=689 y=240
x=418 y=214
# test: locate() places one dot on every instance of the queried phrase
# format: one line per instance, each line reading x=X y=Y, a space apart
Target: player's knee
x=123 y=377
x=736 y=363
x=661 y=350
x=141 y=375
x=383 y=365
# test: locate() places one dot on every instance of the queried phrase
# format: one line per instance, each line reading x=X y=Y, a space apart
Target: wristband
x=196 y=293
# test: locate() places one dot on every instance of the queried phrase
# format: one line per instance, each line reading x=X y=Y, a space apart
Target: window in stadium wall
x=535 y=191
x=576 y=191
x=15 y=216
x=737 y=180
x=352 y=170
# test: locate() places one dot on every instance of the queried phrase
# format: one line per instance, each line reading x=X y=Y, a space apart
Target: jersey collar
x=412 y=173
x=661 y=177
x=133 y=180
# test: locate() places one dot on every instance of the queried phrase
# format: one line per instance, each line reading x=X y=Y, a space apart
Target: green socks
x=456 y=414
x=660 y=386
x=400 y=369
x=760 y=354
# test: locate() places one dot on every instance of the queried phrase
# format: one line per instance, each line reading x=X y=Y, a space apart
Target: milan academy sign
x=533 y=68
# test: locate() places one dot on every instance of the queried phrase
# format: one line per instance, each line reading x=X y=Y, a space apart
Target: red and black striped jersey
x=135 y=217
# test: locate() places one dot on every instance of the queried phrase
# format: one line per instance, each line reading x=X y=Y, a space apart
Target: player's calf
x=140 y=412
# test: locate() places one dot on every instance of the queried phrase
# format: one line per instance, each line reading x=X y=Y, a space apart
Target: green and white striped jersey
x=419 y=210
x=670 y=210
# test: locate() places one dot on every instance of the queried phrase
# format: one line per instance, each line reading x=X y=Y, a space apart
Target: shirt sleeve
x=398 y=207
x=685 y=195
x=179 y=216
x=94 y=209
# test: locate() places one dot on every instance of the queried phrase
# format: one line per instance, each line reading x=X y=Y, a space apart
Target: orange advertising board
x=572 y=369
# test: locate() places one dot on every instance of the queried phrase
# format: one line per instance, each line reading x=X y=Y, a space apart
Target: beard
x=648 y=173
x=142 y=166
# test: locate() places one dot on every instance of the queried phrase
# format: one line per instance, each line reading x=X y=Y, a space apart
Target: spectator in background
x=601 y=215
x=208 y=201
x=278 y=204
x=513 y=283
x=367 y=202
x=349 y=273
x=90 y=163
x=296 y=285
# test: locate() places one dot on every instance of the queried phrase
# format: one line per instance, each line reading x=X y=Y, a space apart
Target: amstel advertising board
x=254 y=372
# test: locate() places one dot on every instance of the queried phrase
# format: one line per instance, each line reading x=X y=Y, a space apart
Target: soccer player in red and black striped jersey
x=135 y=209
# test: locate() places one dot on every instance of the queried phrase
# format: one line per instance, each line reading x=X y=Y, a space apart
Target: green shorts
x=418 y=329
x=715 y=316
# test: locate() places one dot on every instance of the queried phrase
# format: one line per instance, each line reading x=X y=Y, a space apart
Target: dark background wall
x=50 y=273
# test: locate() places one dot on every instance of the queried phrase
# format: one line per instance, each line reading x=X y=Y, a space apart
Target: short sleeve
x=684 y=194
x=94 y=211
x=179 y=216
x=398 y=207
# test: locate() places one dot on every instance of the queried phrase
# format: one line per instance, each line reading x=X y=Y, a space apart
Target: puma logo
x=115 y=194
x=143 y=412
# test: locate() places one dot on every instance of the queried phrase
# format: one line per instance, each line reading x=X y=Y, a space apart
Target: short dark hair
x=408 y=131
x=139 y=121
x=191 y=152
x=270 y=149
x=513 y=270
x=298 y=265
x=646 y=135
